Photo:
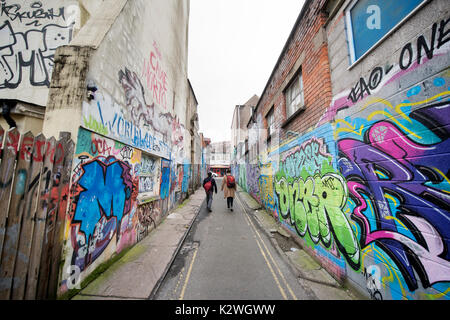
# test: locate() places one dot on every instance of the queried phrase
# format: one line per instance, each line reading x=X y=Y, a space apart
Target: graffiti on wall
x=312 y=195
x=29 y=38
x=392 y=154
x=165 y=179
x=138 y=123
x=253 y=176
x=103 y=196
x=186 y=177
x=148 y=214
x=398 y=181
x=148 y=170
x=412 y=56
x=370 y=193
x=156 y=77
x=105 y=213
x=266 y=187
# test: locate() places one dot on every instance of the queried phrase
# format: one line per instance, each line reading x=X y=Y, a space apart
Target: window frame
x=270 y=115
x=297 y=77
x=349 y=32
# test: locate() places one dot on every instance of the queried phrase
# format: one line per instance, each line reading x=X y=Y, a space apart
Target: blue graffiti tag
x=105 y=194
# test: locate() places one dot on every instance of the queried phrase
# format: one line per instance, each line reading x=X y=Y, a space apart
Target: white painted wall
x=144 y=48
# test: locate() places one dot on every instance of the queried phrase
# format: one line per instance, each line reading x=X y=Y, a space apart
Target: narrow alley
x=227 y=256
x=331 y=118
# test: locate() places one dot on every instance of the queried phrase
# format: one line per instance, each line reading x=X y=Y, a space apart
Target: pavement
x=308 y=271
x=139 y=273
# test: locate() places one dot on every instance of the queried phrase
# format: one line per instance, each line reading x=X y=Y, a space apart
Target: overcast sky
x=233 y=48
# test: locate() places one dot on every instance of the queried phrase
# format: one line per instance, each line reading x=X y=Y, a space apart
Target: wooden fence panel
x=13 y=226
x=53 y=195
x=28 y=219
x=7 y=167
x=2 y=135
x=34 y=199
x=62 y=207
x=40 y=221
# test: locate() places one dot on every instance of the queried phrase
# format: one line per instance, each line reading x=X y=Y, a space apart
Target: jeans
x=209 y=198
x=230 y=202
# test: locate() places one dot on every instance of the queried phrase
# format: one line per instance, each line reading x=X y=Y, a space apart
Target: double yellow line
x=183 y=290
x=270 y=261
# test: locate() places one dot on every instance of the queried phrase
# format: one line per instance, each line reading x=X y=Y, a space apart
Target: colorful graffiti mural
x=143 y=125
x=103 y=194
x=312 y=195
x=134 y=125
x=397 y=177
x=369 y=193
x=114 y=198
x=165 y=179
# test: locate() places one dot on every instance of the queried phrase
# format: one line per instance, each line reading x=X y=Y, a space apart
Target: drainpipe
x=7 y=105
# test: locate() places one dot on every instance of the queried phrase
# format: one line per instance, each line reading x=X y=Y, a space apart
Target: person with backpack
x=209 y=184
x=229 y=188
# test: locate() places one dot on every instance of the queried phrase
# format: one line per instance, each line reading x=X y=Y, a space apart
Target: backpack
x=230 y=182
x=208 y=186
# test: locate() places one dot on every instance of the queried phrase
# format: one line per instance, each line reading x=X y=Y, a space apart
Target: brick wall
x=306 y=49
x=360 y=175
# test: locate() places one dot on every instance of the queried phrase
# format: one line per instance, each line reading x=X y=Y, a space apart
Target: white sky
x=233 y=48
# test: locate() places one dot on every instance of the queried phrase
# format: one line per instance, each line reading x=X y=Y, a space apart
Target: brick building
x=347 y=145
x=299 y=88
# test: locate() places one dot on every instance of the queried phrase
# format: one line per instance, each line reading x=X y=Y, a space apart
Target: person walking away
x=229 y=188
x=209 y=184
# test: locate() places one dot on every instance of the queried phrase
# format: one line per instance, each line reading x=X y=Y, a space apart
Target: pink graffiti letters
x=156 y=77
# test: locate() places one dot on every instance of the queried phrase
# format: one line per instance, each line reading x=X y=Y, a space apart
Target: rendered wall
x=366 y=188
x=133 y=152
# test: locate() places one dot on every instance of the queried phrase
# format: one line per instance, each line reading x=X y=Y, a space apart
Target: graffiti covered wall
x=106 y=215
x=30 y=33
x=367 y=189
x=133 y=153
x=391 y=127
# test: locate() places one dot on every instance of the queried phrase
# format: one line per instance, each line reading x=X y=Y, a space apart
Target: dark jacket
x=213 y=182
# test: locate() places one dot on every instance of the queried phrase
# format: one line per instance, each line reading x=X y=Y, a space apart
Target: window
x=368 y=22
x=294 y=95
x=270 y=123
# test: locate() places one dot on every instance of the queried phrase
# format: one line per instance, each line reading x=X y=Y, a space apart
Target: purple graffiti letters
x=389 y=164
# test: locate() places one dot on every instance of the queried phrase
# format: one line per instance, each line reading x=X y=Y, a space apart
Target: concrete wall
x=364 y=184
x=122 y=92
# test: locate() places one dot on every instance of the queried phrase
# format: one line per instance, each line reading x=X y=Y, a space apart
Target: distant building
x=206 y=156
x=220 y=157
x=239 y=132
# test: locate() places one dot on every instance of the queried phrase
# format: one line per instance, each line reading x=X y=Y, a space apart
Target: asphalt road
x=227 y=257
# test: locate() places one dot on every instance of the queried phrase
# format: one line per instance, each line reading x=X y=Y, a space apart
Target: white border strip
x=349 y=28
